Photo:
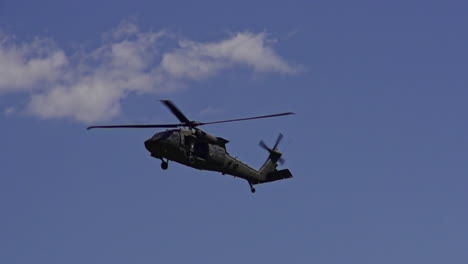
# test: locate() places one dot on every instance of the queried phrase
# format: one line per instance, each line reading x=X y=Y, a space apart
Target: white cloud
x=89 y=86
x=25 y=66
x=199 y=60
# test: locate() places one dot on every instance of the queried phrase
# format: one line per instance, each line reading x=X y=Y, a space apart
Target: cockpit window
x=162 y=135
x=173 y=136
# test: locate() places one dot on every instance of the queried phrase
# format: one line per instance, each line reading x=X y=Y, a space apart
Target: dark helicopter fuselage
x=200 y=150
x=197 y=149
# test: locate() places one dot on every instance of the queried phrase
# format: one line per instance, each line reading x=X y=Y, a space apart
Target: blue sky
x=377 y=147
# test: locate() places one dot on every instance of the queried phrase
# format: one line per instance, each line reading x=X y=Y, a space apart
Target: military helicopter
x=187 y=144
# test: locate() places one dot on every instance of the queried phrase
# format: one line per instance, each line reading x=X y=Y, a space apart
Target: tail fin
x=271 y=163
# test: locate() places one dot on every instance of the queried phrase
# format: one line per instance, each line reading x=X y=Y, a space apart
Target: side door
x=217 y=154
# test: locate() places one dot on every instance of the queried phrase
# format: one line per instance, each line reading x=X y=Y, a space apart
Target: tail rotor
x=275 y=155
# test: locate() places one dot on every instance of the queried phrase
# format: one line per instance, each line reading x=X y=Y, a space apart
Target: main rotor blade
x=242 y=119
x=138 y=126
x=176 y=111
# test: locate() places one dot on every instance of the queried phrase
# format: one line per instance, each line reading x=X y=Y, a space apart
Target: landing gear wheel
x=191 y=160
x=164 y=165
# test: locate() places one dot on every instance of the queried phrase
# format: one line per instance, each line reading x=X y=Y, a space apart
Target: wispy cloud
x=8 y=111
x=89 y=86
x=210 y=110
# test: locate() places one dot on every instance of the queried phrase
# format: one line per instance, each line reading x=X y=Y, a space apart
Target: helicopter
x=187 y=144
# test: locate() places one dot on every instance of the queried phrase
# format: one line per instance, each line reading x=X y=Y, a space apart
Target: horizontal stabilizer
x=278 y=175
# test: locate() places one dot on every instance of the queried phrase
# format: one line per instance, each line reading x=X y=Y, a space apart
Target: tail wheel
x=164 y=165
x=252 y=189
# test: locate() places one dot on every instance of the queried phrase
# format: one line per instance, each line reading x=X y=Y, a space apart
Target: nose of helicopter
x=151 y=145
